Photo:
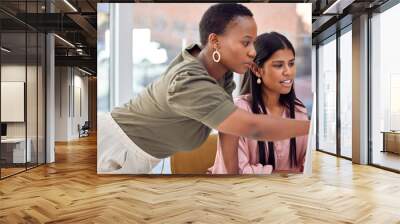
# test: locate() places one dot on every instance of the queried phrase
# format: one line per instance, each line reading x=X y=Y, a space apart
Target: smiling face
x=236 y=44
x=278 y=72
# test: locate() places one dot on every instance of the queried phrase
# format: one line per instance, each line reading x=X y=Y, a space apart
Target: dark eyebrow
x=282 y=61
x=247 y=36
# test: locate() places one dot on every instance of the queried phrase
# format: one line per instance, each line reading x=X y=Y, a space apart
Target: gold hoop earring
x=216 y=54
x=258 y=81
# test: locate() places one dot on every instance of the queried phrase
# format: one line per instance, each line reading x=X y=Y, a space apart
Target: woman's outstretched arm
x=262 y=127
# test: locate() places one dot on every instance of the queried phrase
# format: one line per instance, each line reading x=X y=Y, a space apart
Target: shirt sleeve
x=199 y=97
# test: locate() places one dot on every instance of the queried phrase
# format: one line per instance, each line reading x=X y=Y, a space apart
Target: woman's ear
x=213 y=40
x=254 y=68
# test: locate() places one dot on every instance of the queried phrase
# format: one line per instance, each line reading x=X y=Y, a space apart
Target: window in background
x=103 y=57
x=385 y=89
x=149 y=59
x=327 y=96
x=346 y=94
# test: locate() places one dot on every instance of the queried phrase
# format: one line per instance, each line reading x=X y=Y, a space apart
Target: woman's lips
x=287 y=83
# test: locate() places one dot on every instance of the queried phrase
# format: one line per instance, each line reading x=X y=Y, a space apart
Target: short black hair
x=217 y=17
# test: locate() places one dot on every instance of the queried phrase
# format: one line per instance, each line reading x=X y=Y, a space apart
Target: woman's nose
x=286 y=70
x=252 y=53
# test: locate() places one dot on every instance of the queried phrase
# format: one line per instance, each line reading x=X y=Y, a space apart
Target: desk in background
x=391 y=141
x=13 y=150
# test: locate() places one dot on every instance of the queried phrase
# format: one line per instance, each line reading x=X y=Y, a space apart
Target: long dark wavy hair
x=266 y=45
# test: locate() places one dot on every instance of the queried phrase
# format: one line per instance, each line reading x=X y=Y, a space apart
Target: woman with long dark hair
x=271 y=82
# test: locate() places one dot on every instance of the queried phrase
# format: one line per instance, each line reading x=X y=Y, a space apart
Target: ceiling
x=77 y=25
x=330 y=15
x=76 y=22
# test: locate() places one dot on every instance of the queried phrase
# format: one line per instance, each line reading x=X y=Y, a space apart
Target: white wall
x=79 y=117
x=17 y=73
x=69 y=85
x=61 y=103
x=14 y=73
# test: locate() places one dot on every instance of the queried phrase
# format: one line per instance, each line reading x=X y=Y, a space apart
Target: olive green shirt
x=177 y=111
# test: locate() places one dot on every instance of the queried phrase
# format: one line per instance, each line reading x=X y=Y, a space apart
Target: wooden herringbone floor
x=70 y=191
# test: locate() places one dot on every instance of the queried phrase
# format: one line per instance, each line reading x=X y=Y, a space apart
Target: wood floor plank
x=70 y=191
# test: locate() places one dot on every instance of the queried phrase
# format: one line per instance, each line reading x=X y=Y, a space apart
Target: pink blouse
x=248 y=155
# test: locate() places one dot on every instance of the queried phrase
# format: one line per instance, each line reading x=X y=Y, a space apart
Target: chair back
x=196 y=161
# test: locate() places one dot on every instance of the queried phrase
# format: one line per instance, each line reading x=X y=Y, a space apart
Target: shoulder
x=191 y=66
x=188 y=70
x=301 y=112
x=188 y=64
x=187 y=74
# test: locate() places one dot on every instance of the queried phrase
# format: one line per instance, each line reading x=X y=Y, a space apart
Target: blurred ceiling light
x=5 y=49
x=65 y=41
x=70 y=5
x=338 y=6
x=84 y=71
